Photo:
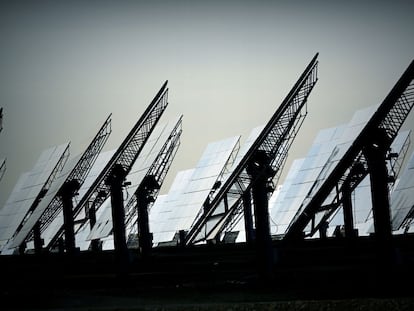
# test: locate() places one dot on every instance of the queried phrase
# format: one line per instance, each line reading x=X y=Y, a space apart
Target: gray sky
x=65 y=67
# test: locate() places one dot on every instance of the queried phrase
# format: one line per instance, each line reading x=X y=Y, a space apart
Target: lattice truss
x=325 y=197
x=125 y=156
x=274 y=141
x=158 y=169
x=78 y=173
x=52 y=177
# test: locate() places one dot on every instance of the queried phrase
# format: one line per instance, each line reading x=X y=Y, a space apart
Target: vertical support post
x=260 y=171
x=248 y=216
x=37 y=239
x=115 y=182
x=144 y=197
x=376 y=160
x=144 y=235
x=66 y=193
x=375 y=153
x=347 y=210
x=263 y=238
x=92 y=222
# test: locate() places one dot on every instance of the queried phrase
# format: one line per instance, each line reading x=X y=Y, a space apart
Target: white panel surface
x=182 y=208
x=329 y=154
x=27 y=190
x=152 y=148
x=96 y=169
x=402 y=198
x=361 y=197
x=50 y=198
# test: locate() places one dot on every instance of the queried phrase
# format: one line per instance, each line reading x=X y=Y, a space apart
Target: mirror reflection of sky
x=65 y=67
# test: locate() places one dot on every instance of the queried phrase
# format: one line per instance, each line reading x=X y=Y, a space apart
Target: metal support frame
x=91 y=214
x=56 y=170
x=138 y=206
x=375 y=154
x=66 y=193
x=275 y=140
x=144 y=199
x=260 y=170
x=347 y=210
x=125 y=156
x=82 y=168
x=388 y=119
x=37 y=240
x=248 y=216
x=115 y=181
x=78 y=173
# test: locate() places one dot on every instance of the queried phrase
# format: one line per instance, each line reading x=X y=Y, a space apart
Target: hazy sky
x=65 y=67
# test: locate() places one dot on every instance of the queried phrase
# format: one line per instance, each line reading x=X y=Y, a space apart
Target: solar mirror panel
x=96 y=168
x=145 y=160
x=190 y=201
x=103 y=226
x=402 y=198
x=29 y=187
x=163 y=208
x=49 y=199
x=333 y=151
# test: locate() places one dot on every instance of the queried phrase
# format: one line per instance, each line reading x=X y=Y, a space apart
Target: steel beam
x=388 y=118
x=49 y=212
x=124 y=156
x=275 y=140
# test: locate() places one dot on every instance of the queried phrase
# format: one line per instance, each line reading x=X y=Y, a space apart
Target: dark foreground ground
x=178 y=299
x=314 y=275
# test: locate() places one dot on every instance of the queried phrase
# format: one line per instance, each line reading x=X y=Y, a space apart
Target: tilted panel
x=96 y=168
x=129 y=150
x=159 y=169
x=274 y=140
x=125 y=155
x=50 y=208
x=402 y=198
x=196 y=191
x=27 y=196
x=361 y=197
x=389 y=117
x=82 y=168
x=103 y=225
x=164 y=207
x=158 y=144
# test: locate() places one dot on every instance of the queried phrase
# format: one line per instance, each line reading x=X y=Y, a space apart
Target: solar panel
x=184 y=205
x=144 y=162
x=402 y=198
x=96 y=168
x=29 y=187
x=77 y=171
x=301 y=178
x=50 y=198
x=238 y=225
x=361 y=198
x=163 y=208
x=323 y=158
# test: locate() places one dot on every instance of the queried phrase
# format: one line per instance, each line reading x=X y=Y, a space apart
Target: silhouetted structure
x=366 y=155
x=61 y=199
x=224 y=188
